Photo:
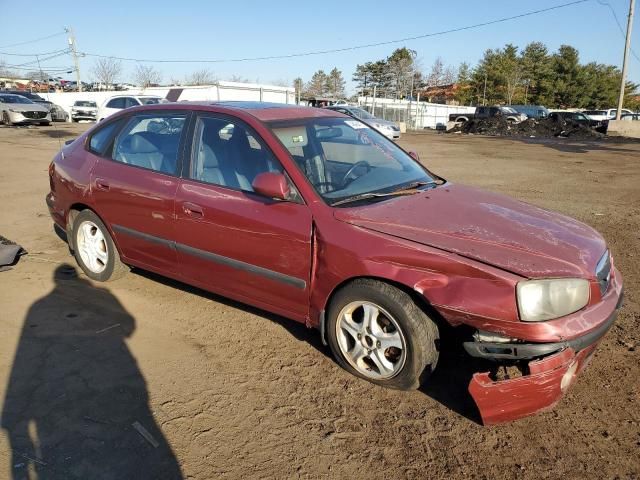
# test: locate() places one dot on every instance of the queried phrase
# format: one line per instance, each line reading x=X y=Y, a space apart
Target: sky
x=190 y=29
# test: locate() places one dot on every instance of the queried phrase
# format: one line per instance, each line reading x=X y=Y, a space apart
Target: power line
x=34 y=54
x=33 y=41
x=46 y=69
x=38 y=59
x=615 y=16
x=344 y=49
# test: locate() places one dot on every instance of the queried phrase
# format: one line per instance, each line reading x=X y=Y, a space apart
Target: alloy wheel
x=92 y=246
x=371 y=340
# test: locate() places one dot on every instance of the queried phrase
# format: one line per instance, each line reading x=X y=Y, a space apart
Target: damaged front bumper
x=551 y=369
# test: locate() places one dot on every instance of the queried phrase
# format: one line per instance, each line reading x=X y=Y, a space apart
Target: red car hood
x=488 y=227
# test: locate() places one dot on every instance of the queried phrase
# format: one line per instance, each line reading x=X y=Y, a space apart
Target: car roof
x=132 y=95
x=263 y=111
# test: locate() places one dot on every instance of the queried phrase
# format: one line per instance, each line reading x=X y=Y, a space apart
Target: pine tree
x=335 y=84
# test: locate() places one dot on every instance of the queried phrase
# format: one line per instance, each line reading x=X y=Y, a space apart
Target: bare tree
x=510 y=67
x=107 y=71
x=201 y=77
x=280 y=82
x=239 y=79
x=5 y=71
x=146 y=76
x=449 y=75
x=37 y=76
x=436 y=75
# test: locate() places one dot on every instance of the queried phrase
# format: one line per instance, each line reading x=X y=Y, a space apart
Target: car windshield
x=595 y=112
x=346 y=160
x=14 y=99
x=83 y=103
x=509 y=110
x=360 y=113
x=150 y=100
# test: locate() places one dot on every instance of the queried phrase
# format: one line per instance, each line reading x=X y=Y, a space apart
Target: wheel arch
x=420 y=299
x=73 y=212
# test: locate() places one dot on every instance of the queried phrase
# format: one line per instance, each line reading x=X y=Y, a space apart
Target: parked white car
x=120 y=102
x=602 y=115
x=84 y=110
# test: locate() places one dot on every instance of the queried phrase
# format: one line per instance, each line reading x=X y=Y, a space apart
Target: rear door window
x=116 y=103
x=151 y=141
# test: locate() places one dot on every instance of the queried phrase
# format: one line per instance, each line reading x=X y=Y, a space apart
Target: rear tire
x=94 y=249
x=377 y=332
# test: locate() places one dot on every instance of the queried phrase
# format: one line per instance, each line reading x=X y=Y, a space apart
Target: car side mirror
x=414 y=155
x=272 y=185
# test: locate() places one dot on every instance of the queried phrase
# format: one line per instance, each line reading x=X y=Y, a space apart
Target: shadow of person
x=75 y=392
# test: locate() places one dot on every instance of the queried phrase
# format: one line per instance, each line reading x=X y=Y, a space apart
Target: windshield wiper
x=409 y=189
x=415 y=185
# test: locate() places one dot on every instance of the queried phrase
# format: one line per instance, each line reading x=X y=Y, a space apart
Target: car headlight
x=540 y=300
x=14 y=111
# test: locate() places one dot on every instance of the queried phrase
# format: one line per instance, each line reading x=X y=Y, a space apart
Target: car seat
x=138 y=150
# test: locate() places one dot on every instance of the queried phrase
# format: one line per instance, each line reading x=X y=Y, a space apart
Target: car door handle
x=102 y=184
x=192 y=209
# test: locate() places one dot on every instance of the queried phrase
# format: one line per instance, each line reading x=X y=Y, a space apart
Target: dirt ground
x=227 y=391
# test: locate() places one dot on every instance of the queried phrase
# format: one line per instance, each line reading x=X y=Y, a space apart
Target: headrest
x=209 y=159
x=140 y=144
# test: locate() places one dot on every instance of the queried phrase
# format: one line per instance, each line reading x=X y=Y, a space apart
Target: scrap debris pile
x=9 y=253
x=547 y=127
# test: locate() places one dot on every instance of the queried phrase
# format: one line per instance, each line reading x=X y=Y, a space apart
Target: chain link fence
x=415 y=115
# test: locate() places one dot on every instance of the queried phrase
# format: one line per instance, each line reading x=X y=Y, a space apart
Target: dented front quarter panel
x=507 y=400
x=443 y=278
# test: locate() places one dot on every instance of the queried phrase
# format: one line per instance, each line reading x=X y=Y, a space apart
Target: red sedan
x=317 y=217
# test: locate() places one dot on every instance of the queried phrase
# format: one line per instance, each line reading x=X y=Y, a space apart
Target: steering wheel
x=354 y=167
x=319 y=186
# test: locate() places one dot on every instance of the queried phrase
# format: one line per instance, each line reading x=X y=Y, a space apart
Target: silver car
x=15 y=109
x=389 y=129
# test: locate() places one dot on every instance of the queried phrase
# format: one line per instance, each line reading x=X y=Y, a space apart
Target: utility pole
x=627 y=46
x=74 y=54
x=484 y=94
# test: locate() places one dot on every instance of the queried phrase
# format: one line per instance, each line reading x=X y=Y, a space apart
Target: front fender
x=444 y=279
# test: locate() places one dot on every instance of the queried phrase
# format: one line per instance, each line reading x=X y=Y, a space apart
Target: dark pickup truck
x=487 y=112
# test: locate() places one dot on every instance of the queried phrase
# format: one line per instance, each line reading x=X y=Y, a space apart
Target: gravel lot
x=227 y=391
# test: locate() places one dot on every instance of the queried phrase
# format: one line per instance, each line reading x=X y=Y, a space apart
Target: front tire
x=94 y=249
x=377 y=332
x=5 y=119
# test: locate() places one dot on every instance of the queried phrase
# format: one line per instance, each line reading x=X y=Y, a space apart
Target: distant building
x=444 y=94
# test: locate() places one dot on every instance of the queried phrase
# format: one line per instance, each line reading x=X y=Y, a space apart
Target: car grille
x=34 y=114
x=603 y=272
